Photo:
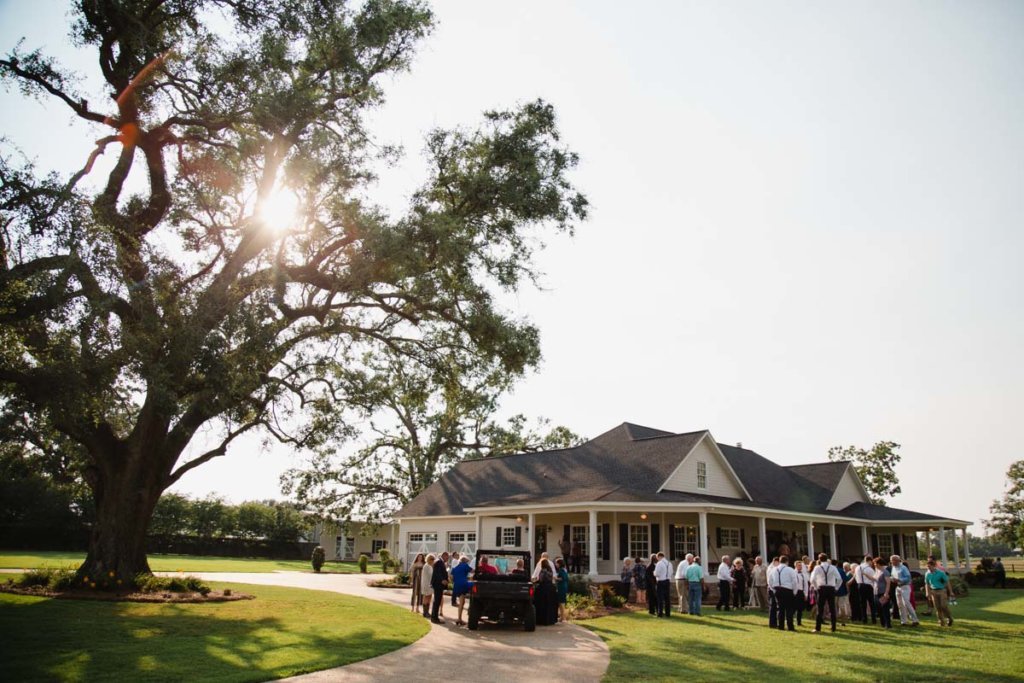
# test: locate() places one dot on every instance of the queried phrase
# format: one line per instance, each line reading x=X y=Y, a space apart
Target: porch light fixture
x=519 y=520
x=643 y=515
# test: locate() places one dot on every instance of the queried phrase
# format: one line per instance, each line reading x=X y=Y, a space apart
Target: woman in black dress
x=545 y=599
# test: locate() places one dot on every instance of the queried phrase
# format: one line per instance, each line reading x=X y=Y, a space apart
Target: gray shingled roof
x=825 y=474
x=628 y=464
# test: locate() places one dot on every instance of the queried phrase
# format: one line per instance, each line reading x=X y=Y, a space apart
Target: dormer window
x=702 y=474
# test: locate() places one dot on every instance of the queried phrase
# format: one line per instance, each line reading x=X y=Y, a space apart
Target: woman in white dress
x=426 y=591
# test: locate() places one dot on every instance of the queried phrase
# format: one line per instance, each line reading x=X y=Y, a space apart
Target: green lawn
x=13 y=559
x=284 y=631
x=984 y=644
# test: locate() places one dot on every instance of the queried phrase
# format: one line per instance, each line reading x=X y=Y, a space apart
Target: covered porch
x=609 y=533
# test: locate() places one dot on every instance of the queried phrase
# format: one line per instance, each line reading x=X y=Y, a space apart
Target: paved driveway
x=563 y=652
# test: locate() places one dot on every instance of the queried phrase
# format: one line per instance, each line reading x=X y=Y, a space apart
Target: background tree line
x=213 y=517
x=51 y=508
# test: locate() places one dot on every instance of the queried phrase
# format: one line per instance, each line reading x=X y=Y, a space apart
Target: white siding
x=434 y=525
x=847 y=492
x=326 y=537
x=720 y=481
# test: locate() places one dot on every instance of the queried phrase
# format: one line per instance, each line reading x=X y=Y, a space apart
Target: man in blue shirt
x=901 y=573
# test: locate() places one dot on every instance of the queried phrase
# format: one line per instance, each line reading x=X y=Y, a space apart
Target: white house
x=348 y=542
x=635 y=491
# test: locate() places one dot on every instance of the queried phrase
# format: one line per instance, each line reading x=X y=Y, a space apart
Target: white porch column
x=810 y=540
x=762 y=530
x=592 y=543
x=967 y=549
x=617 y=555
x=942 y=546
x=865 y=548
x=664 y=542
x=704 y=557
x=531 y=535
x=956 y=551
x=479 y=531
x=833 y=548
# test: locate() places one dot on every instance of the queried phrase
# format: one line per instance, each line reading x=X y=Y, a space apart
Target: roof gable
x=848 y=491
x=719 y=477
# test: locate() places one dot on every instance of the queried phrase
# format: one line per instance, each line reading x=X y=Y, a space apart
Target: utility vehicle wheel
x=530 y=619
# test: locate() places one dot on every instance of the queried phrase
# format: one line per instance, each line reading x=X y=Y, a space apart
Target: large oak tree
x=170 y=296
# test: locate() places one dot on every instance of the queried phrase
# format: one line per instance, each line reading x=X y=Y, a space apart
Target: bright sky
x=805 y=227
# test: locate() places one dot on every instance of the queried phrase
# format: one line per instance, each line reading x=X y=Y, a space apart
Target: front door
x=541 y=542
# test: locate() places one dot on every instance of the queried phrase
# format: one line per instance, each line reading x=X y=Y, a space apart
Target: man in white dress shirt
x=724 y=583
x=774 y=606
x=663 y=574
x=681 y=586
x=826 y=580
x=866 y=589
x=785 y=593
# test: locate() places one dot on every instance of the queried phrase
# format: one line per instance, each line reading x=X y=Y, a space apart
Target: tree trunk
x=125 y=497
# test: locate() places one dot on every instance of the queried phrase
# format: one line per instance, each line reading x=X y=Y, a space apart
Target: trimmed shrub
x=53 y=579
x=364 y=563
x=577 y=606
x=318 y=558
x=35 y=577
x=148 y=583
x=609 y=598
x=385 y=560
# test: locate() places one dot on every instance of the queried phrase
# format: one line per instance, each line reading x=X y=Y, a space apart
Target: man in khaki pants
x=682 y=585
x=938 y=584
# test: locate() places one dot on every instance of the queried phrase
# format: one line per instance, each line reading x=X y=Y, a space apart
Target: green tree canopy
x=176 y=297
x=876 y=468
x=1007 y=520
x=421 y=420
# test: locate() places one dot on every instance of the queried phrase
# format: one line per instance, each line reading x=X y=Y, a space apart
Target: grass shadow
x=92 y=641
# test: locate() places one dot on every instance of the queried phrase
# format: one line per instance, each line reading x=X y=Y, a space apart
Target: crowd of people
x=431 y=575
x=840 y=593
x=876 y=588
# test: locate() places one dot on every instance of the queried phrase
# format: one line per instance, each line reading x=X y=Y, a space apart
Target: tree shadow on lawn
x=694 y=661
x=83 y=640
x=877 y=668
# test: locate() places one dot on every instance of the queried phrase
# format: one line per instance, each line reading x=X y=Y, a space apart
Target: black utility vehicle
x=502 y=598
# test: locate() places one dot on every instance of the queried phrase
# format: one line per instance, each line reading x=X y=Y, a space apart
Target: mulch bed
x=107 y=596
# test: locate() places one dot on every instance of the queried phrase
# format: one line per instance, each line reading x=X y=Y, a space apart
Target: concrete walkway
x=562 y=652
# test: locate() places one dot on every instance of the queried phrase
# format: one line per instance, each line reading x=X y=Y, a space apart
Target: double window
x=729 y=537
x=508 y=535
x=639 y=540
x=885 y=545
x=684 y=540
x=702 y=474
x=580 y=533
